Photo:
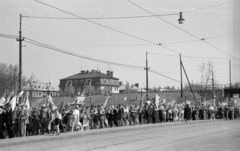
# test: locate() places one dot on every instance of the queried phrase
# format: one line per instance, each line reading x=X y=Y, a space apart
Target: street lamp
x=181 y=19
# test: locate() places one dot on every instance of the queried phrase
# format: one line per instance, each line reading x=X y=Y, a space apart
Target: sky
x=93 y=40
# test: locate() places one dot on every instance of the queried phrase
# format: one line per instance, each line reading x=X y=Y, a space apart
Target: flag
x=19 y=96
x=9 y=97
x=27 y=101
x=92 y=101
x=125 y=98
x=163 y=101
x=79 y=100
x=49 y=102
x=71 y=91
x=13 y=102
x=61 y=106
x=141 y=105
x=115 y=102
x=2 y=100
x=157 y=100
x=106 y=101
x=83 y=92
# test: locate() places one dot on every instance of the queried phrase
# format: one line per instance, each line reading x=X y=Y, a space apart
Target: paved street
x=201 y=135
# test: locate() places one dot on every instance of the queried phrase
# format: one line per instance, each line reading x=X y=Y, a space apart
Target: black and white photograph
x=119 y=75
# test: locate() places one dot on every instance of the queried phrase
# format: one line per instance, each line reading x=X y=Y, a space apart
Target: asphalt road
x=217 y=135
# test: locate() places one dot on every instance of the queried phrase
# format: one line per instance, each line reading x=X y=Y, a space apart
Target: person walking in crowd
x=57 y=120
x=35 y=121
x=187 y=113
x=76 y=117
x=2 y=119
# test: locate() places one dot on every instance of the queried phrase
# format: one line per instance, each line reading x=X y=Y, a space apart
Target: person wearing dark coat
x=114 y=116
x=226 y=112
x=2 y=121
x=236 y=112
x=9 y=121
x=150 y=113
x=35 y=121
x=187 y=113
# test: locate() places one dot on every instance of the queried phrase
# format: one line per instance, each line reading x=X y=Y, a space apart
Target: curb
x=62 y=136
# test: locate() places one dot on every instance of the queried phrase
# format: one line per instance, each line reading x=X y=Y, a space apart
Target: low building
x=232 y=92
x=40 y=89
x=95 y=81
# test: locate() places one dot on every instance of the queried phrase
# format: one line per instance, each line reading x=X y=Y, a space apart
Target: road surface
x=219 y=135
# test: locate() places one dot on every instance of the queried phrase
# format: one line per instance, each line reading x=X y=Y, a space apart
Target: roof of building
x=85 y=75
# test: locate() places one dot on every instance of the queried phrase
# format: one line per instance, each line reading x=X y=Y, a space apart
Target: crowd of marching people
x=22 y=121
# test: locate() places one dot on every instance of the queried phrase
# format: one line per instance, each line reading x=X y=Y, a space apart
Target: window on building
x=39 y=94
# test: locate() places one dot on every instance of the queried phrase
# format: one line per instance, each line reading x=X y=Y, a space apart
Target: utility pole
x=20 y=39
x=147 y=75
x=212 y=86
x=230 y=83
x=181 y=75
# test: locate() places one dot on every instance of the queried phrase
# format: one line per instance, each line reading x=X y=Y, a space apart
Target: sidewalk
x=51 y=137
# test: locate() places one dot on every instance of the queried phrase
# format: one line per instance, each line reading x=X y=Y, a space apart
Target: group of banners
x=13 y=99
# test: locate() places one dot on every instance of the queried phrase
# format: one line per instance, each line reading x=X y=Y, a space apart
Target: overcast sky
x=88 y=39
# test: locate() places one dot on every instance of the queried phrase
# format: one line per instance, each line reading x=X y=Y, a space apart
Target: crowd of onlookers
x=38 y=121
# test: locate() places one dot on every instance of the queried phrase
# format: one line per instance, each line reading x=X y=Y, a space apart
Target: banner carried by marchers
x=157 y=100
x=80 y=100
x=106 y=101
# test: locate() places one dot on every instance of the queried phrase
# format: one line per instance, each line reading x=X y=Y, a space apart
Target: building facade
x=37 y=90
x=95 y=82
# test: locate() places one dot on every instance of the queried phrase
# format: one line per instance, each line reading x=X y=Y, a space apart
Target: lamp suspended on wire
x=181 y=19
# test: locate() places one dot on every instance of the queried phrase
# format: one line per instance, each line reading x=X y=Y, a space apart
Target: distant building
x=125 y=88
x=96 y=82
x=232 y=92
x=40 y=89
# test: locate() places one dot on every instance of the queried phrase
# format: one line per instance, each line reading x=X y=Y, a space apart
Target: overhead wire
x=187 y=56
x=190 y=11
x=118 y=30
x=127 y=17
x=34 y=42
x=156 y=72
x=8 y=36
x=184 y=30
x=99 y=18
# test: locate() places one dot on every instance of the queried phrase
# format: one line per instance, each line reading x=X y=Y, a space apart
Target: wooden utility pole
x=181 y=75
x=230 y=82
x=147 y=75
x=20 y=39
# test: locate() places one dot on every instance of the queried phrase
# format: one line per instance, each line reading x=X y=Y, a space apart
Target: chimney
x=93 y=70
x=108 y=72
x=137 y=85
x=86 y=71
x=120 y=83
x=111 y=73
x=82 y=71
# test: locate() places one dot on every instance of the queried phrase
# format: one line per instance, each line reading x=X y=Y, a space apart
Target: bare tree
x=207 y=77
x=9 y=78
